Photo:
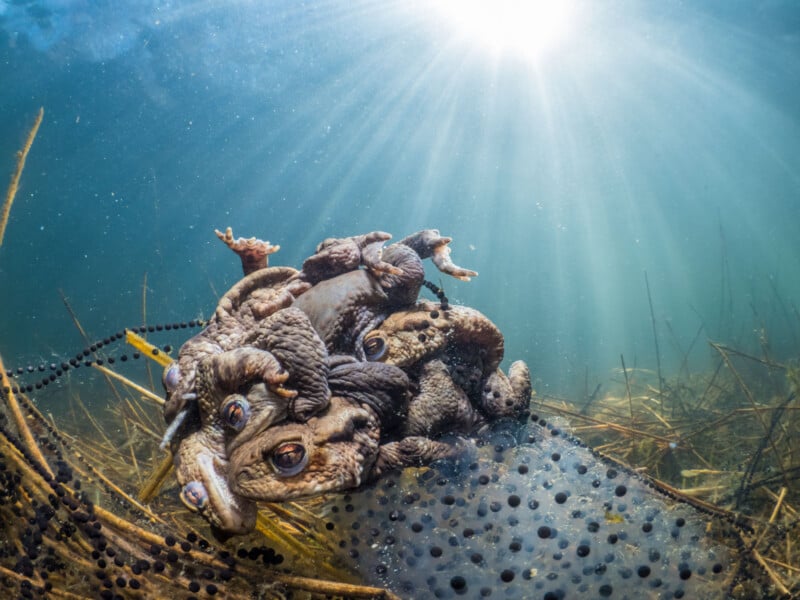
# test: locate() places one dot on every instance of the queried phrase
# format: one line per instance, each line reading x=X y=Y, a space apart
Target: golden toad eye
x=235 y=411
x=374 y=348
x=288 y=459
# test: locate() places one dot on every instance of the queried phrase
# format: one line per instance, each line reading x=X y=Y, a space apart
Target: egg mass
x=533 y=513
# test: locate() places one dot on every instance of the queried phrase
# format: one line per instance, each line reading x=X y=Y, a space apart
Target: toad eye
x=288 y=459
x=235 y=411
x=194 y=495
x=374 y=348
x=171 y=377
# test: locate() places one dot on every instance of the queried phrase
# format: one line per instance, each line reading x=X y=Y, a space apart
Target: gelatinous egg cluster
x=532 y=514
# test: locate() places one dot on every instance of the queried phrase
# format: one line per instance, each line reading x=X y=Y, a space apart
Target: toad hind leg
x=428 y=243
x=253 y=252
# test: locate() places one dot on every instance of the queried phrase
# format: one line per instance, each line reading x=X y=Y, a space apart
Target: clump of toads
x=321 y=379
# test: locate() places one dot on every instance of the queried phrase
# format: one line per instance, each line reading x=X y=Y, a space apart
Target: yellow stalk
x=147 y=349
x=14 y=186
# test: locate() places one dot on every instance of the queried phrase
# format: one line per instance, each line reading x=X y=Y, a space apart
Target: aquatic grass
x=695 y=451
x=727 y=440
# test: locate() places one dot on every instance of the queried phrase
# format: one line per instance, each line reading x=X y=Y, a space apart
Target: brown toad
x=340 y=448
x=454 y=353
x=342 y=301
x=343 y=308
x=286 y=344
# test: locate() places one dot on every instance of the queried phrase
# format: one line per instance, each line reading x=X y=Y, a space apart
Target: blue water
x=652 y=137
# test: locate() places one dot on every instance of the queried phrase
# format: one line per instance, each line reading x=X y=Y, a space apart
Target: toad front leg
x=416 y=451
x=440 y=406
x=507 y=395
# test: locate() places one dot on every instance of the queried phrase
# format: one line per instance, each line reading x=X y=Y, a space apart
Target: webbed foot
x=416 y=451
x=428 y=243
x=507 y=395
x=253 y=252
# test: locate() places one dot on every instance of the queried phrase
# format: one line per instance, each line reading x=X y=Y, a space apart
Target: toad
x=340 y=448
x=454 y=353
x=343 y=308
x=228 y=418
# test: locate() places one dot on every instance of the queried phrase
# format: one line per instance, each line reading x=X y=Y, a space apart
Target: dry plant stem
x=685 y=364
x=22 y=464
x=786 y=507
x=710 y=385
x=781 y=497
x=99 y=475
x=768 y=363
x=74 y=317
x=144 y=536
x=39 y=490
x=156 y=479
x=607 y=425
x=134 y=462
x=702 y=491
x=333 y=588
x=727 y=417
x=303 y=509
x=19 y=577
x=14 y=185
x=711 y=508
x=278 y=533
x=143 y=420
x=148 y=432
x=140 y=552
x=147 y=349
x=293 y=515
x=782 y=564
x=655 y=341
x=94 y=422
x=772 y=517
x=749 y=395
x=143 y=391
x=146 y=539
x=86 y=340
x=701 y=458
x=627 y=386
x=772 y=574
x=664 y=422
x=85 y=450
x=150 y=515
x=22 y=427
x=144 y=322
